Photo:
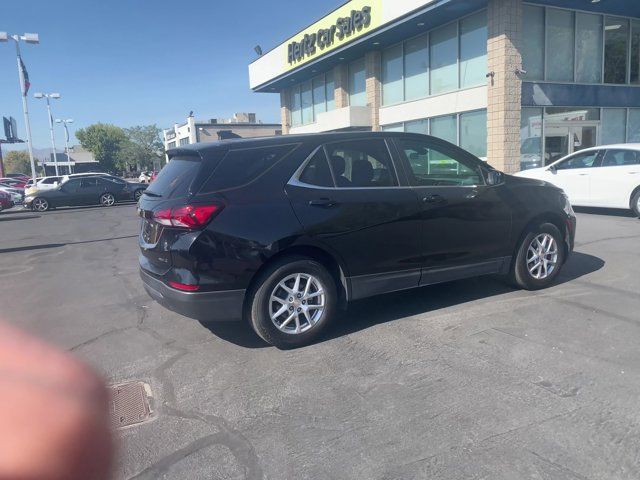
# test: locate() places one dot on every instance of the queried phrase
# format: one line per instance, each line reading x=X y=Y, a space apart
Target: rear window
x=176 y=177
x=240 y=167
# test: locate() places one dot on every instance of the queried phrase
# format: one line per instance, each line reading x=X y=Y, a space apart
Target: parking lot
x=470 y=379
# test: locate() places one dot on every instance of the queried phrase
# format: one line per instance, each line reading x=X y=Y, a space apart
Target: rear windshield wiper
x=151 y=194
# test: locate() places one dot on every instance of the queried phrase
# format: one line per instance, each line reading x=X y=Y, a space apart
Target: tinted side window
x=361 y=164
x=89 y=182
x=72 y=184
x=581 y=160
x=176 y=177
x=432 y=167
x=240 y=167
x=317 y=171
x=619 y=158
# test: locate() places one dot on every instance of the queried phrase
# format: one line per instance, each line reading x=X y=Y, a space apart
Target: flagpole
x=25 y=108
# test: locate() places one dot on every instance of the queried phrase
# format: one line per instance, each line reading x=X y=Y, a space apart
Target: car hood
x=518 y=179
x=532 y=172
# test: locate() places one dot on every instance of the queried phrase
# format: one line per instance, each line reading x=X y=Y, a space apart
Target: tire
x=137 y=194
x=300 y=324
x=524 y=273
x=107 y=199
x=635 y=203
x=40 y=204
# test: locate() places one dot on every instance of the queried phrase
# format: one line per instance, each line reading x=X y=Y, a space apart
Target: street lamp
x=48 y=96
x=23 y=78
x=64 y=123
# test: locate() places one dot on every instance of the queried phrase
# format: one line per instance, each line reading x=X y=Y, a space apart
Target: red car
x=13 y=182
x=5 y=201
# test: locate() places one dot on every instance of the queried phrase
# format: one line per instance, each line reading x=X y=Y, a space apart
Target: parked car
x=605 y=176
x=84 y=190
x=19 y=176
x=13 y=182
x=42 y=183
x=5 y=201
x=16 y=194
x=282 y=230
x=147 y=177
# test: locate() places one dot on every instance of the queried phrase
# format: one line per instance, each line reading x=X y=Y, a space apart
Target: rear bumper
x=223 y=306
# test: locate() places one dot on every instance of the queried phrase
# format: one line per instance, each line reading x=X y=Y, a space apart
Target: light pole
x=23 y=77
x=49 y=96
x=66 y=139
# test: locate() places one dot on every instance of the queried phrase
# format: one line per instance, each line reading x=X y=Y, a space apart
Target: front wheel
x=635 y=203
x=294 y=301
x=107 y=199
x=40 y=204
x=137 y=194
x=539 y=259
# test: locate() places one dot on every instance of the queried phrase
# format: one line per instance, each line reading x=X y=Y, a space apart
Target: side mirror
x=552 y=169
x=494 y=177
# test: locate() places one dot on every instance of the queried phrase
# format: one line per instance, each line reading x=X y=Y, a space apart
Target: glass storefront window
x=533 y=47
x=416 y=67
x=588 y=48
x=614 y=125
x=633 y=126
x=473 y=132
x=396 y=127
x=531 y=138
x=473 y=50
x=560 y=45
x=417 y=126
x=357 y=84
x=330 y=88
x=616 y=38
x=444 y=59
x=445 y=128
x=319 y=96
x=296 y=107
x=307 y=102
x=635 y=52
x=392 y=81
x=566 y=114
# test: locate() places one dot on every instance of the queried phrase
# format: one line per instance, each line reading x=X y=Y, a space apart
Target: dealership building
x=519 y=84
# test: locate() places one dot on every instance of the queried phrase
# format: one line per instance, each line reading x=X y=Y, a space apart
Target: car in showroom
x=607 y=176
x=282 y=231
x=79 y=190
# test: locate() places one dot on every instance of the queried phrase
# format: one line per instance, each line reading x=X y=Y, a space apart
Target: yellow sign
x=347 y=23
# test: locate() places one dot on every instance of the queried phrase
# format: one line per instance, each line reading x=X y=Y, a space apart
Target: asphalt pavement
x=465 y=380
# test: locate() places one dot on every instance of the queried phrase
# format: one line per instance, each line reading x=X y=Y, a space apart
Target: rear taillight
x=184 y=287
x=187 y=216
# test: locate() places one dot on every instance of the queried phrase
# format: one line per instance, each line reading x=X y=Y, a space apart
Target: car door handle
x=323 y=203
x=434 y=199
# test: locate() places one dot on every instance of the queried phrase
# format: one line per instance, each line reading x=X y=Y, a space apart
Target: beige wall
x=209 y=133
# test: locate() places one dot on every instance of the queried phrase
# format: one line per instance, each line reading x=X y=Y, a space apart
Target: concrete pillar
x=373 y=69
x=193 y=137
x=505 y=86
x=285 y=111
x=341 y=79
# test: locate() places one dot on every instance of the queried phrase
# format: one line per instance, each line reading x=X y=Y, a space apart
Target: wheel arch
x=633 y=194
x=545 y=217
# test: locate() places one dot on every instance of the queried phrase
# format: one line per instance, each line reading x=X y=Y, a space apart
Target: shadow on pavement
x=615 y=212
x=18 y=217
x=58 y=245
x=367 y=313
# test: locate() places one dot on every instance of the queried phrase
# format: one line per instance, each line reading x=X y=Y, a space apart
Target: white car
x=16 y=194
x=44 y=183
x=606 y=176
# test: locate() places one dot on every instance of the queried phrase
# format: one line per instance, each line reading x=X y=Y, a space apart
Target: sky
x=139 y=62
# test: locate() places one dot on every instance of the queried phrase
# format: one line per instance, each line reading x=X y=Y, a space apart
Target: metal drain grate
x=130 y=404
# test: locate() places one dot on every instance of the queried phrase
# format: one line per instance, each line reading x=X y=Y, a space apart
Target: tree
x=143 y=148
x=17 y=161
x=104 y=141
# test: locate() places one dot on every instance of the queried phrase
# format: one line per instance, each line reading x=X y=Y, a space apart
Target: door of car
x=466 y=224
x=69 y=194
x=615 y=177
x=90 y=190
x=350 y=199
x=573 y=175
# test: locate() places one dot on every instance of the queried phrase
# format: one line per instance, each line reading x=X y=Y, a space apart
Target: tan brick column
x=341 y=79
x=373 y=69
x=505 y=87
x=285 y=111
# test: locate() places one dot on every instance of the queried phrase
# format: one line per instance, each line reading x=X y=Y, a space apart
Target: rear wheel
x=40 y=204
x=635 y=203
x=137 y=194
x=539 y=258
x=293 y=302
x=107 y=199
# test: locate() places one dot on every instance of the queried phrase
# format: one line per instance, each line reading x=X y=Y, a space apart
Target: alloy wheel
x=107 y=199
x=542 y=256
x=137 y=194
x=40 y=205
x=297 y=303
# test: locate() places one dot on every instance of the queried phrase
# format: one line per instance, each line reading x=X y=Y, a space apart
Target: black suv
x=281 y=231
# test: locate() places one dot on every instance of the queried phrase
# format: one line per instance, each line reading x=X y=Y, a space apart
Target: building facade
x=194 y=131
x=517 y=83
